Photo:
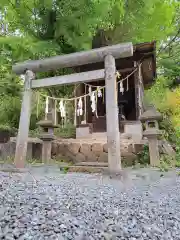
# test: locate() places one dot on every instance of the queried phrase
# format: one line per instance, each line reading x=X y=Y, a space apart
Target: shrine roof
x=143 y=52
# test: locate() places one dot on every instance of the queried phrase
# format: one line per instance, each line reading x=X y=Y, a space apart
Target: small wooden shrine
x=138 y=72
x=123 y=100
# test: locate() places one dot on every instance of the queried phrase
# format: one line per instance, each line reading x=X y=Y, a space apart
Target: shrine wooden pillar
x=79 y=92
x=139 y=90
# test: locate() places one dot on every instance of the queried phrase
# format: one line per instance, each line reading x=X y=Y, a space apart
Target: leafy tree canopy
x=72 y=24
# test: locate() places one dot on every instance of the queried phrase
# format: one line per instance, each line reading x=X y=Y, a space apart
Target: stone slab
x=74 y=148
x=82 y=132
x=79 y=157
x=97 y=149
x=103 y=158
x=14 y=170
x=85 y=148
x=134 y=129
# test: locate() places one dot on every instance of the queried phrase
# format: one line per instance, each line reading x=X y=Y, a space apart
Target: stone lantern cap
x=150 y=114
x=46 y=124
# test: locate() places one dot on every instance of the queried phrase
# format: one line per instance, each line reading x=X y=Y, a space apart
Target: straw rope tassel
x=93 y=102
x=80 y=104
x=90 y=91
x=55 y=112
x=65 y=115
x=47 y=107
x=38 y=101
x=103 y=93
x=127 y=87
x=75 y=111
x=99 y=92
x=91 y=86
x=121 y=88
x=85 y=106
x=96 y=104
x=62 y=111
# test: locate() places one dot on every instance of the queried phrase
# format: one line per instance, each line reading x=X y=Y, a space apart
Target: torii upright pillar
x=22 y=139
x=112 y=121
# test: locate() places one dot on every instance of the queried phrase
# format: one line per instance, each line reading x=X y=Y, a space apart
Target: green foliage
x=165 y=101
x=67 y=131
x=19 y=48
x=157 y=94
x=145 y=20
x=178 y=153
x=35 y=132
x=168 y=63
x=10 y=110
x=178 y=147
x=168 y=103
x=164 y=167
x=177 y=164
x=166 y=162
x=5 y=127
x=35 y=162
x=65 y=170
x=68 y=22
x=72 y=24
x=168 y=59
x=143 y=156
x=7 y=160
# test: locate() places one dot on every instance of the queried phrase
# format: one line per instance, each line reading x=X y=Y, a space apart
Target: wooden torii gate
x=108 y=55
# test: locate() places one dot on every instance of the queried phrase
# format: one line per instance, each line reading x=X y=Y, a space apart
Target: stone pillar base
x=83 y=131
x=46 y=147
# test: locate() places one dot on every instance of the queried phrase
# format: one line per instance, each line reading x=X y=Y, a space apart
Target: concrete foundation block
x=82 y=131
x=135 y=129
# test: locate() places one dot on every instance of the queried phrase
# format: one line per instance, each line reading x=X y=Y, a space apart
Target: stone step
x=92 y=164
x=87 y=169
x=13 y=170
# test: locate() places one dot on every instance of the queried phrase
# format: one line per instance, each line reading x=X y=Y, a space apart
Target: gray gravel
x=53 y=205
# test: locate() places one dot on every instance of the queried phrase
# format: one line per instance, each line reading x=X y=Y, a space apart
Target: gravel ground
x=53 y=205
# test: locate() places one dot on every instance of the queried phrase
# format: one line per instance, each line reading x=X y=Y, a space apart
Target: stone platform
x=34 y=148
x=93 y=150
x=86 y=151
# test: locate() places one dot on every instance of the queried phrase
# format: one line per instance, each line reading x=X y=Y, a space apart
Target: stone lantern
x=47 y=137
x=150 y=118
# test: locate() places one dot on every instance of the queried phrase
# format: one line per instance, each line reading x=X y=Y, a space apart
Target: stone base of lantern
x=152 y=136
x=47 y=136
x=46 y=147
x=151 y=118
